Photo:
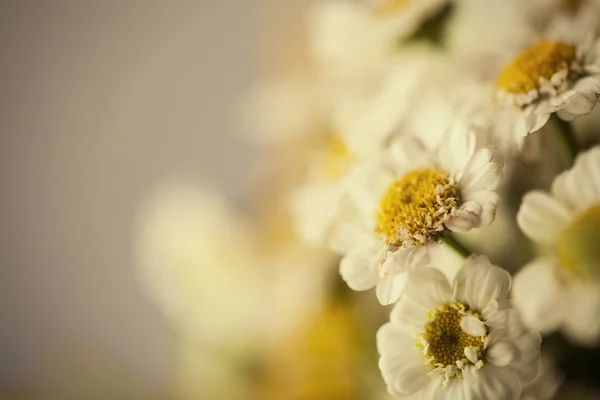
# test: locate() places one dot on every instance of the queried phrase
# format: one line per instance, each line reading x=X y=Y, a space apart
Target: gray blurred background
x=99 y=101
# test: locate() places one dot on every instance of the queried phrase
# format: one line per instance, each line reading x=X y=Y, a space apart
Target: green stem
x=567 y=134
x=451 y=242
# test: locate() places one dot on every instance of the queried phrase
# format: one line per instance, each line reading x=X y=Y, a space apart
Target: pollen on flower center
x=577 y=246
x=541 y=61
x=444 y=340
x=415 y=207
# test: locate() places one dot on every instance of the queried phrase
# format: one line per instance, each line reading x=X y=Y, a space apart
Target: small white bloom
x=194 y=252
x=524 y=66
x=551 y=76
x=408 y=203
x=562 y=290
x=491 y=361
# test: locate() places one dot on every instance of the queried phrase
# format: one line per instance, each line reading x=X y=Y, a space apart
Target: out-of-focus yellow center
x=447 y=341
x=322 y=360
x=389 y=7
x=542 y=60
x=578 y=246
x=337 y=158
x=413 y=203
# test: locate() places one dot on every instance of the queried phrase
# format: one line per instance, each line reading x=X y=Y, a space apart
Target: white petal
x=541 y=217
x=471 y=354
x=456 y=148
x=534 y=121
x=479 y=282
x=585 y=99
x=555 y=104
x=466 y=218
x=366 y=184
x=456 y=389
x=527 y=347
x=580 y=187
x=428 y=287
x=482 y=172
x=539 y=296
x=409 y=258
x=501 y=354
x=390 y=288
x=489 y=202
x=350 y=234
x=415 y=303
x=581 y=321
x=472 y=325
x=400 y=363
x=498 y=383
x=409 y=153
x=314 y=208
x=359 y=267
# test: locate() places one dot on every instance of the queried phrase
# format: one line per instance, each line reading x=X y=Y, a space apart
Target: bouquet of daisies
x=443 y=157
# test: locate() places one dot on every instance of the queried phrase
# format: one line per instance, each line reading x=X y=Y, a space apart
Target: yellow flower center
x=415 y=206
x=541 y=61
x=447 y=341
x=337 y=158
x=577 y=247
x=389 y=7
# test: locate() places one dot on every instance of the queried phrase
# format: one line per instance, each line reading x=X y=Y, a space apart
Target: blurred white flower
x=318 y=206
x=408 y=203
x=459 y=341
x=546 y=383
x=562 y=290
x=279 y=110
x=196 y=262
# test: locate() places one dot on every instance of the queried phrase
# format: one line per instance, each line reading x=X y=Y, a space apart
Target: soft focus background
x=99 y=101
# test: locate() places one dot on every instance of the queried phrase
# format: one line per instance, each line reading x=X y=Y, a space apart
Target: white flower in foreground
x=562 y=290
x=406 y=205
x=460 y=341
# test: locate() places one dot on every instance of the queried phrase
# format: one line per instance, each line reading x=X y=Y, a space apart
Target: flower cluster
x=417 y=141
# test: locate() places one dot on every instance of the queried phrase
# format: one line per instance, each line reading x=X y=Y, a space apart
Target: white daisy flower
x=459 y=341
x=562 y=290
x=406 y=205
x=551 y=76
x=524 y=74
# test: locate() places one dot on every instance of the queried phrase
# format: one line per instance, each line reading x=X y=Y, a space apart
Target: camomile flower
x=408 y=203
x=457 y=341
x=551 y=76
x=524 y=75
x=561 y=290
